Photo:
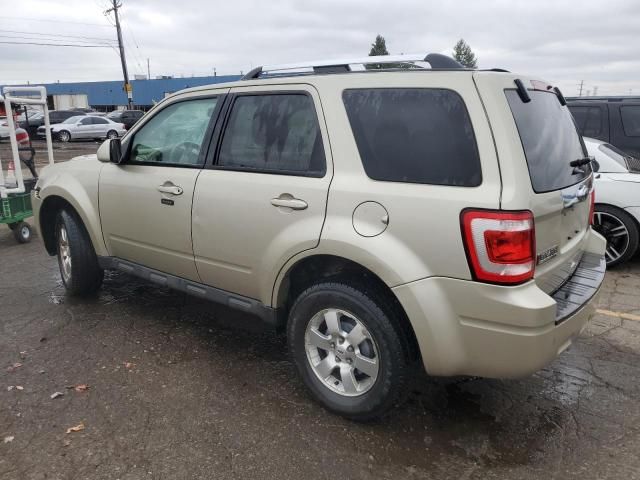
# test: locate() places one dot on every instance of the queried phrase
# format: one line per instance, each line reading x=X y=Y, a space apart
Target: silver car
x=84 y=126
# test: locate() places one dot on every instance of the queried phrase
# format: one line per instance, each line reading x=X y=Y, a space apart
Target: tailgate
x=537 y=140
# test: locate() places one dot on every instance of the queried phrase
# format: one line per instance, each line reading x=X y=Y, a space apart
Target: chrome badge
x=547 y=255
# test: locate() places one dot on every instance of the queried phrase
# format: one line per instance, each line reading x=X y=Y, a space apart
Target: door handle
x=289 y=202
x=170 y=188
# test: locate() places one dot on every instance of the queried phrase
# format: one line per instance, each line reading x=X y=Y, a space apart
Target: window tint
x=588 y=120
x=631 y=120
x=99 y=121
x=276 y=133
x=414 y=135
x=86 y=121
x=175 y=134
x=549 y=139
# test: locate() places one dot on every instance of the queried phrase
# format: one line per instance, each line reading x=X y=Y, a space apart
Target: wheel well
x=48 y=214
x=312 y=270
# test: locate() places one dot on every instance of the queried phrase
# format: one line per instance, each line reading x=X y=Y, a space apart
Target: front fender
x=79 y=188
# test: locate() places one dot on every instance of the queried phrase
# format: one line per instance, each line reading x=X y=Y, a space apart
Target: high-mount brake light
x=500 y=245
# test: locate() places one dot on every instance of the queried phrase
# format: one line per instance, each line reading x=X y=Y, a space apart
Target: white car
x=84 y=126
x=617 y=209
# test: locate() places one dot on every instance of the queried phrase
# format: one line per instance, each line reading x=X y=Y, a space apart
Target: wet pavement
x=183 y=389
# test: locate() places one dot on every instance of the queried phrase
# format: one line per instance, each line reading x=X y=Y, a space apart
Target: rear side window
x=631 y=120
x=414 y=135
x=549 y=139
x=588 y=120
x=273 y=133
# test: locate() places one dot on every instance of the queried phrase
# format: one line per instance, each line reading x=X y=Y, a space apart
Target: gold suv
x=383 y=216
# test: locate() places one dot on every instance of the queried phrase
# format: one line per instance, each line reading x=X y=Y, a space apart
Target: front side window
x=414 y=135
x=99 y=121
x=273 y=133
x=174 y=136
x=86 y=121
x=631 y=120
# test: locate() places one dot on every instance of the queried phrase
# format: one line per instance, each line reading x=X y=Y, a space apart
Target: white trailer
x=67 y=101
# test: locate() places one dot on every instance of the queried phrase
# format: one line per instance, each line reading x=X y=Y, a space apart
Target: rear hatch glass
x=561 y=205
x=549 y=139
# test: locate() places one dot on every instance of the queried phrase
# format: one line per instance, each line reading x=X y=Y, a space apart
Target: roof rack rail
x=436 y=61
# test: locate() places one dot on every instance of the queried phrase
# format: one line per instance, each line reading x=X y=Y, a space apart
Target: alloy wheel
x=341 y=352
x=615 y=232
x=65 y=253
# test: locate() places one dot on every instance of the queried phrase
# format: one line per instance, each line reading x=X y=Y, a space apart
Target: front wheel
x=77 y=259
x=620 y=231
x=352 y=355
x=64 y=136
x=21 y=232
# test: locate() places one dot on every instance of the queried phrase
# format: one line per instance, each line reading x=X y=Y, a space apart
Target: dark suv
x=127 y=117
x=615 y=120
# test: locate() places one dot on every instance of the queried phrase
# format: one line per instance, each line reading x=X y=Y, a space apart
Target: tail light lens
x=592 y=208
x=500 y=245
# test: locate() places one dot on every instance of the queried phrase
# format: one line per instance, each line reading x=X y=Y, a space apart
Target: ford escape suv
x=383 y=217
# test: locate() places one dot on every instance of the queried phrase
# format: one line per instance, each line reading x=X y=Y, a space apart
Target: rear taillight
x=500 y=245
x=592 y=207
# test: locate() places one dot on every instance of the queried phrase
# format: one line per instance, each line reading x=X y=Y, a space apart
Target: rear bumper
x=471 y=328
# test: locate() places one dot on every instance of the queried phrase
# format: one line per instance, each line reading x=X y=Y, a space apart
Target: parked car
x=128 y=117
x=381 y=217
x=83 y=110
x=615 y=120
x=31 y=122
x=84 y=126
x=4 y=128
x=617 y=209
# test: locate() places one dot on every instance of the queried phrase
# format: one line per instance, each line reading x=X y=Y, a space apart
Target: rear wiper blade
x=580 y=161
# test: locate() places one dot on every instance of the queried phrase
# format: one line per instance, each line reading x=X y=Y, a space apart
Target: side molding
x=267 y=314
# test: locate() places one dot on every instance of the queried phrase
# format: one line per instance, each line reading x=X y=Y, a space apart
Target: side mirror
x=110 y=151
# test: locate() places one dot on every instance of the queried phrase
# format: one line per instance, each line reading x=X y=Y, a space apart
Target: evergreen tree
x=379 y=47
x=463 y=54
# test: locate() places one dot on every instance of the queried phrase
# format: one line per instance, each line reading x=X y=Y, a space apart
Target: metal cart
x=15 y=193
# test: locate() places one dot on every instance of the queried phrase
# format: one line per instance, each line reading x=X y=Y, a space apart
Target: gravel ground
x=182 y=389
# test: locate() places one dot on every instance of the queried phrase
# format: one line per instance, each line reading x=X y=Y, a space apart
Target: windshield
x=74 y=119
x=549 y=139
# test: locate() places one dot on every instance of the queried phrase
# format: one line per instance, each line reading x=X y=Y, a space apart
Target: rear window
x=588 y=120
x=414 y=135
x=549 y=139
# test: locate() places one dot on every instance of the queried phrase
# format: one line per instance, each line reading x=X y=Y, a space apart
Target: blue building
x=108 y=95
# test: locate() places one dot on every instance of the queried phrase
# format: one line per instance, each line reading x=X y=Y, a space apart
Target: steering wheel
x=185 y=150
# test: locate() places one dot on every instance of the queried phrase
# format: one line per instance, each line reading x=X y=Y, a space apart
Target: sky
x=562 y=42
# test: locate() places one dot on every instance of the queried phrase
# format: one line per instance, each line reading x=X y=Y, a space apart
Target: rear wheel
x=64 y=136
x=77 y=259
x=21 y=232
x=620 y=231
x=352 y=355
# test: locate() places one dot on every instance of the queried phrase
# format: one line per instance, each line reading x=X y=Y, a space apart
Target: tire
x=111 y=134
x=79 y=269
x=621 y=232
x=21 y=232
x=385 y=344
x=64 y=136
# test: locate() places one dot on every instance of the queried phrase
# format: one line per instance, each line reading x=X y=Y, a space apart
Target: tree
x=379 y=47
x=462 y=53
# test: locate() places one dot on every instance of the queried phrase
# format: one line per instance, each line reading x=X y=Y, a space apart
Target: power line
x=55 y=44
x=54 y=21
x=53 y=39
x=55 y=35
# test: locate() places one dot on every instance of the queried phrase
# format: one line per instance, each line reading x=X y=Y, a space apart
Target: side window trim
x=212 y=160
x=204 y=147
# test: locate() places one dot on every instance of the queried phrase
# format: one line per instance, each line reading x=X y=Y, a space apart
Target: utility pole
x=581 y=84
x=127 y=85
x=595 y=90
x=148 y=70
